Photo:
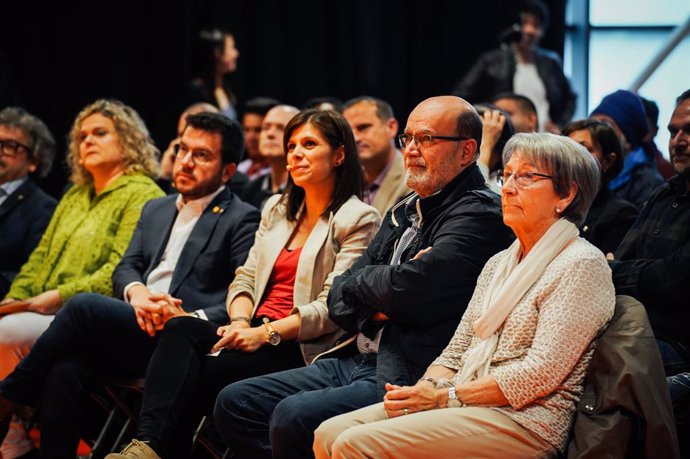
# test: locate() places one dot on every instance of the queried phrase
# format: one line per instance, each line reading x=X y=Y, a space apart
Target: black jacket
x=608 y=219
x=257 y=191
x=24 y=216
x=424 y=298
x=653 y=263
x=217 y=246
x=493 y=74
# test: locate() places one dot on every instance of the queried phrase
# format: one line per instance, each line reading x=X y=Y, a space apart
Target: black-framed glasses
x=521 y=180
x=10 y=147
x=425 y=140
x=200 y=157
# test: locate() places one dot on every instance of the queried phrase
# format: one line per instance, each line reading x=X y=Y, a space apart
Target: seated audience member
x=236 y=183
x=522 y=111
x=183 y=254
x=497 y=128
x=375 y=129
x=624 y=111
x=663 y=165
x=524 y=68
x=271 y=147
x=609 y=216
x=277 y=302
x=508 y=382
x=324 y=103
x=652 y=264
x=26 y=151
x=112 y=159
x=400 y=301
x=253 y=117
x=168 y=156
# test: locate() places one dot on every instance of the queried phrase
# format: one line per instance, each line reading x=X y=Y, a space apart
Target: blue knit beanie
x=626 y=109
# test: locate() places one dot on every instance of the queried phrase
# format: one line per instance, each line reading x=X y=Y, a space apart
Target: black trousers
x=182 y=381
x=92 y=339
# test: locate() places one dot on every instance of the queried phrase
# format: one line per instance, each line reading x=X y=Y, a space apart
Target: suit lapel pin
x=218 y=210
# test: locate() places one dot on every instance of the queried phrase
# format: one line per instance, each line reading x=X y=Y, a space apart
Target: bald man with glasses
x=400 y=302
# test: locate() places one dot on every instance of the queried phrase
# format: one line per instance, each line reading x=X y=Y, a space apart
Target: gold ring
x=406 y=411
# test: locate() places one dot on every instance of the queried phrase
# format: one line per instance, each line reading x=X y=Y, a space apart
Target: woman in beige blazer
x=277 y=303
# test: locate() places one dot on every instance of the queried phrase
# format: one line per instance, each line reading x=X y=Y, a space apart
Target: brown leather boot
x=135 y=450
x=7 y=409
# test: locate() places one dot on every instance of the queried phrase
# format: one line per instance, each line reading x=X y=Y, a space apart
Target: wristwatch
x=453 y=397
x=273 y=335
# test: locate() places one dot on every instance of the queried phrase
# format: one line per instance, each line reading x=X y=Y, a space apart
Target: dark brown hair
x=349 y=178
x=603 y=137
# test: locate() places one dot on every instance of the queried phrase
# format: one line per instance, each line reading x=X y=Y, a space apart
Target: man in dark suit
x=26 y=149
x=181 y=259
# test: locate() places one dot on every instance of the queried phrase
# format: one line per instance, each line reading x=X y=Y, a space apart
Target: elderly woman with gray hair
x=508 y=382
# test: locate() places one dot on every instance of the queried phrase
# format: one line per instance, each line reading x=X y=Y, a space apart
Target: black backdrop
x=56 y=57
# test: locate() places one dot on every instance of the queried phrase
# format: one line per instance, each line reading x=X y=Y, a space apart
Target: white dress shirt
x=188 y=214
x=7 y=188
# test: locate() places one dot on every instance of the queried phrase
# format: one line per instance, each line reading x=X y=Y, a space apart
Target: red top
x=278 y=299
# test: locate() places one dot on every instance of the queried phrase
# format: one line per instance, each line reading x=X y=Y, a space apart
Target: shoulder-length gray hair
x=566 y=161
x=138 y=150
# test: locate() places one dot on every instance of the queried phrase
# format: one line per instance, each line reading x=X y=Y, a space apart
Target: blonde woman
x=113 y=160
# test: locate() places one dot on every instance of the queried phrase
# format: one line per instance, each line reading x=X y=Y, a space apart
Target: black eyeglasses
x=11 y=147
x=200 y=157
x=425 y=140
x=521 y=180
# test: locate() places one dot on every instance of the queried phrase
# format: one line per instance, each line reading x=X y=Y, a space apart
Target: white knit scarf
x=511 y=280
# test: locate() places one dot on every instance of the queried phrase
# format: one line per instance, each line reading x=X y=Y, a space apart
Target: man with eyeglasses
x=180 y=261
x=26 y=150
x=236 y=183
x=401 y=301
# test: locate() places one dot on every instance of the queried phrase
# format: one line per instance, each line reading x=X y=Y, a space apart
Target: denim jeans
x=679 y=387
x=677 y=370
x=276 y=415
x=673 y=361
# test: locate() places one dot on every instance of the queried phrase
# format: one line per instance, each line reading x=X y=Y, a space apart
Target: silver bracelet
x=444 y=382
x=430 y=379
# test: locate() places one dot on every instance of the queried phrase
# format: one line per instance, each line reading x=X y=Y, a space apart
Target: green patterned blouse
x=86 y=239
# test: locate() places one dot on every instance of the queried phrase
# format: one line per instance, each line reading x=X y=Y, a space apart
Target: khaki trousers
x=467 y=432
